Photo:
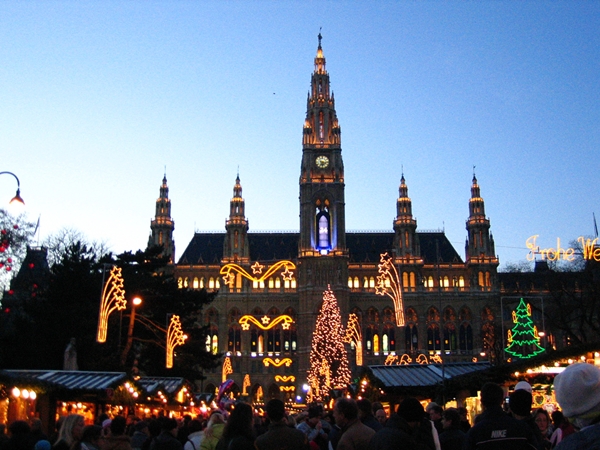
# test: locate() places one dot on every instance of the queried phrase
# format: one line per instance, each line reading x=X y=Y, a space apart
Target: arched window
x=434 y=344
x=372 y=331
x=450 y=341
x=465 y=336
x=411 y=332
x=180 y=283
x=350 y=282
x=323 y=225
x=290 y=338
x=488 y=334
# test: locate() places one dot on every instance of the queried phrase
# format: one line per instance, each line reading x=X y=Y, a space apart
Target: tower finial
x=320 y=37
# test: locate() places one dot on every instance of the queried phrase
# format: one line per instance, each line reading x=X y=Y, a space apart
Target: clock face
x=322 y=161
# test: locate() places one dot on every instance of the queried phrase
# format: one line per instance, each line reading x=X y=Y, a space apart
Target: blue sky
x=98 y=97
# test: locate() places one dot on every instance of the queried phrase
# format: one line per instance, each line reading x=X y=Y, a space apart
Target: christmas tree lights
x=328 y=358
x=523 y=339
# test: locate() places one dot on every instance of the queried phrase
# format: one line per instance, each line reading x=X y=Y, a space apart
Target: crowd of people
x=351 y=425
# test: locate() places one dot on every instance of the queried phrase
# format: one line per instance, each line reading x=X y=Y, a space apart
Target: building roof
x=170 y=385
x=423 y=375
x=363 y=247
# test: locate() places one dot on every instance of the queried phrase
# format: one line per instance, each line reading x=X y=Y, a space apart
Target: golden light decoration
x=329 y=367
x=175 y=337
x=388 y=283
x=391 y=360
x=267 y=323
x=113 y=297
x=287 y=388
x=246 y=384
x=228 y=271
x=257 y=268
x=435 y=359
x=422 y=359
x=354 y=335
x=285 y=379
x=227 y=369
x=277 y=362
x=405 y=359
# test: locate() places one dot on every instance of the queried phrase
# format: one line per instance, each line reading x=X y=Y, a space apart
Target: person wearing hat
x=495 y=429
x=519 y=404
x=577 y=391
x=313 y=428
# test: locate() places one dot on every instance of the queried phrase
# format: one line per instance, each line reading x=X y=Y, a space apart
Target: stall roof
x=171 y=385
x=67 y=379
x=423 y=375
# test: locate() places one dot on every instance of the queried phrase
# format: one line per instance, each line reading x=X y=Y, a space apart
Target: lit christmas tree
x=523 y=339
x=328 y=358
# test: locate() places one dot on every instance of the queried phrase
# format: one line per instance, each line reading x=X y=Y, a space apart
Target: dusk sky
x=97 y=98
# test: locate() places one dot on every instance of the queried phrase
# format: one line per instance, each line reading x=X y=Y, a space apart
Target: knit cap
x=577 y=389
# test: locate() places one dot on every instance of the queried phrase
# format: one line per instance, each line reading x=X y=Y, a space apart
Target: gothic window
x=388 y=338
x=372 y=331
x=411 y=333
x=277 y=283
x=195 y=283
x=180 y=283
x=356 y=283
x=212 y=317
x=365 y=282
x=323 y=224
x=321 y=126
x=488 y=335
x=465 y=338
x=271 y=283
x=290 y=338
x=186 y=282
x=371 y=282
x=211 y=283
x=481 y=279
x=234 y=341
x=450 y=341
x=405 y=280
x=350 y=282
x=212 y=341
x=433 y=331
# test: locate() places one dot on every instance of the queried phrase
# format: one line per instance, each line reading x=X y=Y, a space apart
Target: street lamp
x=136 y=301
x=17 y=198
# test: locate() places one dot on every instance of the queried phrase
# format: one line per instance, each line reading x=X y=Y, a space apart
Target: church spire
x=236 y=248
x=479 y=247
x=405 y=225
x=162 y=226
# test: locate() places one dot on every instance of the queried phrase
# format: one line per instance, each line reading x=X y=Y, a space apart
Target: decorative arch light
x=113 y=297
x=277 y=362
x=388 y=283
x=175 y=337
x=229 y=270
x=354 y=335
x=265 y=322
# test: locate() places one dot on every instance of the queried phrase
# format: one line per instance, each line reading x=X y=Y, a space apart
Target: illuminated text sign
x=589 y=248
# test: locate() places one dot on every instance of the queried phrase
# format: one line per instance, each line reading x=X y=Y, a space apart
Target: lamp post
x=136 y=301
x=17 y=198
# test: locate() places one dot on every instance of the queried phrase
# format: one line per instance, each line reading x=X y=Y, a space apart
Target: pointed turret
x=479 y=247
x=236 y=248
x=162 y=226
x=405 y=224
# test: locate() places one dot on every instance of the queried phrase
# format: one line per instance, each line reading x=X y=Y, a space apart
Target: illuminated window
x=271 y=283
x=215 y=344
x=277 y=283
x=293 y=283
x=217 y=284
x=375 y=343
x=413 y=280
x=323 y=223
x=286 y=284
x=481 y=279
x=186 y=282
x=433 y=338
x=405 y=279
x=211 y=283
x=195 y=283
x=461 y=281
x=371 y=282
x=356 y=282
x=202 y=283
x=350 y=282
x=365 y=282
x=180 y=283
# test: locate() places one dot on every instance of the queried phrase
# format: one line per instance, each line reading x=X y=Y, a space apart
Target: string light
x=328 y=358
x=277 y=362
x=227 y=369
x=523 y=339
x=246 y=384
x=228 y=271
x=175 y=337
x=267 y=323
x=113 y=297
x=354 y=336
x=388 y=283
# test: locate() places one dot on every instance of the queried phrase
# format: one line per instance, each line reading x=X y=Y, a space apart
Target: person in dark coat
x=238 y=433
x=452 y=437
x=366 y=416
x=394 y=435
x=496 y=430
x=20 y=438
x=167 y=439
x=280 y=436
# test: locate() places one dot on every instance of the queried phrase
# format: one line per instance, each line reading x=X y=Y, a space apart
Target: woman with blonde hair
x=70 y=432
x=213 y=431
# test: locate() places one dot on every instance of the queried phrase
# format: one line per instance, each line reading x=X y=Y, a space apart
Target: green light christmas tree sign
x=523 y=339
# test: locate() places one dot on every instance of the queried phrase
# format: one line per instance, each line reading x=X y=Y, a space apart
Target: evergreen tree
x=328 y=358
x=523 y=339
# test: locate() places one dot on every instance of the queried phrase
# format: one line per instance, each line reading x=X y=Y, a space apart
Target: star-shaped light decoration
x=285 y=325
x=265 y=320
x=287 y=274
x=245 y=326
x=257 y=268
x=229 y=279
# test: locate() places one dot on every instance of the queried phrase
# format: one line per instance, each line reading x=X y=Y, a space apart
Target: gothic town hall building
x=449 y=302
